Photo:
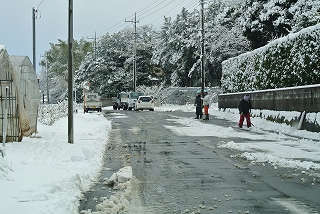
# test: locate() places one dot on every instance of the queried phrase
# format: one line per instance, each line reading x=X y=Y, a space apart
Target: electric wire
x=189 y=7
x=151 y=9
x=118 y=25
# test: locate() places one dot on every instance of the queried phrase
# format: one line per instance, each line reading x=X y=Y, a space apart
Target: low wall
x=106 y=101
x=299 y=99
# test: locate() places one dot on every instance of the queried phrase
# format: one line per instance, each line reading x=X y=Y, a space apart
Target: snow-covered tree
x=223 y=36
x=178 y=48
x=55 y=62
x=265 y=20
x=110 y=70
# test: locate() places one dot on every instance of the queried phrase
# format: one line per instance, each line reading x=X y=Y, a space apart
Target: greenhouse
x=19 y=97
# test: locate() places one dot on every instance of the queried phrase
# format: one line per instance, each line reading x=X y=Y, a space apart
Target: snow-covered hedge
x=290 y=61
x=50 y=113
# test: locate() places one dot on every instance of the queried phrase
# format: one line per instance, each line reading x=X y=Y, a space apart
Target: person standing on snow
x=205 y=101
x=244 y=110
x=198 y=104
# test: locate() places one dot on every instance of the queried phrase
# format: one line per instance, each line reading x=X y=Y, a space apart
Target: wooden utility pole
x=34 y=10
x=70 y=73
x=134 y=51
x=202 y=47
x=46 y=61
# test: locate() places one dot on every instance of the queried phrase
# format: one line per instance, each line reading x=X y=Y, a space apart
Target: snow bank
x=45 y=174
x=120 y=180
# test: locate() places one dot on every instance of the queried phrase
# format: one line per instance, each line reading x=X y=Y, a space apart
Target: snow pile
x=5 y=169
x=46 y=174
x=260 y=117
x=120 y=177
x=120 y=180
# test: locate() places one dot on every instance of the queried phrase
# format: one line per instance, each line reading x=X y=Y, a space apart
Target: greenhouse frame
x=19 y=97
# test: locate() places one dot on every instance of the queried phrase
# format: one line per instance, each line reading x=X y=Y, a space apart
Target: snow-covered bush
x=286 y=62
x=50 y=113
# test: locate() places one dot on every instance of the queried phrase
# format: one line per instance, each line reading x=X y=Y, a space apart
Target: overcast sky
x=90 y=16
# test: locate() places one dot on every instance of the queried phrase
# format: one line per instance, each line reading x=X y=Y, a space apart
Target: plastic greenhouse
x=19 y=97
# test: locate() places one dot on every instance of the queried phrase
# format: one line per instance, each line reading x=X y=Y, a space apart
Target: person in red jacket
x=244 y=110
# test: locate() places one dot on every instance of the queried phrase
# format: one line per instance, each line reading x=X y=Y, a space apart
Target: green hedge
x=290 y=61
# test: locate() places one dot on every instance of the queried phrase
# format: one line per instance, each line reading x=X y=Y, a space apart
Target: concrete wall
x=305 y=98
x=300 y=99
x=106 y=101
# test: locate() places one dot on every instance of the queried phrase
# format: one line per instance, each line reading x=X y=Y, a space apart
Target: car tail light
x=152 y=101
x=138 y=101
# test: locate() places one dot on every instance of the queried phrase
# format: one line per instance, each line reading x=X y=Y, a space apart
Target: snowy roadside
x=45 y=174
x=288 y=147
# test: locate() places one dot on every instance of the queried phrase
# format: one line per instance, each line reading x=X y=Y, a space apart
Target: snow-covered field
x=45 y=174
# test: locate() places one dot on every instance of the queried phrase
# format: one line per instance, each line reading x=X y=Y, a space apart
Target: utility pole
x=34 y=10
x=95 y=44
x=134 y=51
x=45 y=58
x=70 y=73
x=202 y=48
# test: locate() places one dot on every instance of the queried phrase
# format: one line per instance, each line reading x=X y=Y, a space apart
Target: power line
x=121 y=24
x=152 y=9
x=191 y=6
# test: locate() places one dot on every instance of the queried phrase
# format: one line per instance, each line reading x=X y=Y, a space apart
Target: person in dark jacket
x=198 y=104
x=244 y=110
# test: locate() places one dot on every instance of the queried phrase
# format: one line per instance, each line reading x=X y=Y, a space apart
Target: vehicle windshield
x=92 y=96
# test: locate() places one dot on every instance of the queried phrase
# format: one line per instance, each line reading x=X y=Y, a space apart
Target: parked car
x=144 y=102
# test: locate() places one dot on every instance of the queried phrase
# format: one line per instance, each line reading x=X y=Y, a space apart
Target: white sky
x=92 y=16
x=45 y=174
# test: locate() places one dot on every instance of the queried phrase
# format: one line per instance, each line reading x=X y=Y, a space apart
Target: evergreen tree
x=265 y=20
x=56 y=63
x=112 y=71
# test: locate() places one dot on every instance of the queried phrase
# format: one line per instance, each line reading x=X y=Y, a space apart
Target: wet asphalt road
x=183 y=174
